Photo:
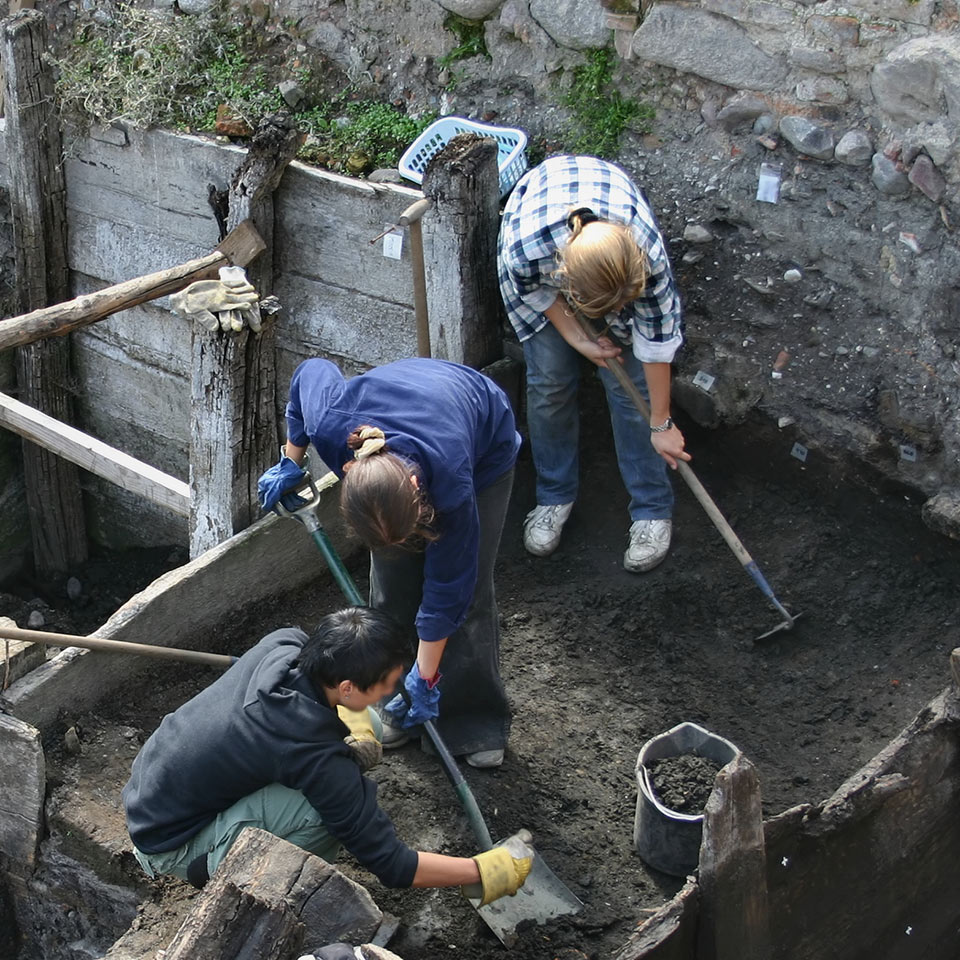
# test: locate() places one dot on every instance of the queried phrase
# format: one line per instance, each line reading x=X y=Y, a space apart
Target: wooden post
x=37 y=200
x=461 y=262
x=234 y=433
x=734 y=921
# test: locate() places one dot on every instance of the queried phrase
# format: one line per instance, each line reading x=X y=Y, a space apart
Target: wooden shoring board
x=95 y=455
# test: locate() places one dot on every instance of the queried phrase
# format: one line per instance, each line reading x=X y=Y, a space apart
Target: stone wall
x=848 y=285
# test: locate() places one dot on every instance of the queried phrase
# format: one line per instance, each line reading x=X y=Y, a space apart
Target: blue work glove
x=273 y=484
x=424 y=700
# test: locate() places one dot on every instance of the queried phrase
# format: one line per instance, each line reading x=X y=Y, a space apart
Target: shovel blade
x=542 y=897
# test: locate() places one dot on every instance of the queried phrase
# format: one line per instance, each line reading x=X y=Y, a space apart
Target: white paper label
x=393 y=244
x=704 y=381
x=800 y=452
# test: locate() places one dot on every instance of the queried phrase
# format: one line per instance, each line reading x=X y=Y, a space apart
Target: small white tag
x=908 y=453
x=393 y=244
x=800 y=452
x=704 y=381
x=768 y=184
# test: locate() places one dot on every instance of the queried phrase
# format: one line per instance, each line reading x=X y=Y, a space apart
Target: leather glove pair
x=501 y=873
x=274 y=484
x=422 y=700
x=367 y=749
x=228 y=303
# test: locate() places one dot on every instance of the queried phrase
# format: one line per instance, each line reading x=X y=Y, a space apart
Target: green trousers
x=277 y=809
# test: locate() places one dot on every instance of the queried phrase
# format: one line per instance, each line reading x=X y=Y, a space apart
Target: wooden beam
x=94 y=455
x=239 y=247
x=39 y=217
x=734 y=920
x=234 y=433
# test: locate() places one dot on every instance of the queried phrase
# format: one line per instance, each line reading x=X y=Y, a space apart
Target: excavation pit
x=596 y=661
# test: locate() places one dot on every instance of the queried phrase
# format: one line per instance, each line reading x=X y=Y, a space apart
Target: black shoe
x=197 y=871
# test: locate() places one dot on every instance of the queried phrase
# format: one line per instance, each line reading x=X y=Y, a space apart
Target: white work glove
x=235 y=302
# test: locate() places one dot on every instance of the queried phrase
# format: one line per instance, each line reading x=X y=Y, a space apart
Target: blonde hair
x=602 y=267
x=378 y=499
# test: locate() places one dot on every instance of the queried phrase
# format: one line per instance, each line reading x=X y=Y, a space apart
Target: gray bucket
x=666 y=840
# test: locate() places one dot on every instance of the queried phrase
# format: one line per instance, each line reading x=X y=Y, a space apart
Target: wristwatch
x=664 y=427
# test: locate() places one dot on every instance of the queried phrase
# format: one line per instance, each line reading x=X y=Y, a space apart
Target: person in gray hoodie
x=264 y=746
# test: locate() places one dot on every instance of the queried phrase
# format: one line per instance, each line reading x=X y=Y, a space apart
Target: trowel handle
x=465 y=794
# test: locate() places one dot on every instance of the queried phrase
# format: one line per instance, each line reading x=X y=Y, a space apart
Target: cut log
x=234 y=433
x=268 y=899
x=734 y=922
x=38 y=211
x=239 y=247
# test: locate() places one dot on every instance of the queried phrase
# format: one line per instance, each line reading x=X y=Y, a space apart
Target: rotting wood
x=239 y=247
x=463 y=183
x=234 y=434
x=268 y=898
x=670 y=934
x=22 y=788
x=38 y=212
x=17 y=656
x=85 y=451
x=734 y=921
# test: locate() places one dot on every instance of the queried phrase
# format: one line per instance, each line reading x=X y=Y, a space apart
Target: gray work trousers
x=474 y=713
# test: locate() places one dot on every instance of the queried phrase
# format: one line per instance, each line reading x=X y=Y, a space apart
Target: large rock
x=578 y=24
x=675 y=36
x=807 y=137
x=918 y=79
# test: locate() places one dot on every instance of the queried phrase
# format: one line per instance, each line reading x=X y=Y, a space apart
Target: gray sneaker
x=485 y=759
x=394 y=736
x=541 y=529
x=649 y=543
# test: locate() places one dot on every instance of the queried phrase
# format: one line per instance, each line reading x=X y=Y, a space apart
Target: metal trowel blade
x=542 y=897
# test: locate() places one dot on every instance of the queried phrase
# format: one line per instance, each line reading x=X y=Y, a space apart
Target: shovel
x=704 y=498
x=544 y=895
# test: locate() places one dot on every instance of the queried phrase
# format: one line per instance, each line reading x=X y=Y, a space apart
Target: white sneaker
x=541 y=529
x=393 y=736
x=649 y=543
x=485 y=759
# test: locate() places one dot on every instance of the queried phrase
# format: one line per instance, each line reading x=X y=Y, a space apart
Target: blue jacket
x=452 y=422
x=260 y=723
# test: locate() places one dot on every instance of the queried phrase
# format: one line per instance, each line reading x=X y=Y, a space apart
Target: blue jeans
x=553 y=422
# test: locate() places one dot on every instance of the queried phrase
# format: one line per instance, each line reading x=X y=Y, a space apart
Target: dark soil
x=683 y=784
x=598 y=660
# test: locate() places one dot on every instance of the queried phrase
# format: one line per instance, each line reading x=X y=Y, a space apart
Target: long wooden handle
x=239 y=247
x=116 y=646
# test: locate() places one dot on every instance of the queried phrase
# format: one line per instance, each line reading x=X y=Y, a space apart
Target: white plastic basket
x=511 y=144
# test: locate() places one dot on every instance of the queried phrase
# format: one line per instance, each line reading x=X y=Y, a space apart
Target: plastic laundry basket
x=665 y=839
x=511 y=152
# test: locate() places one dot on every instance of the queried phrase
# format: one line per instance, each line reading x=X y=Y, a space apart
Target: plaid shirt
x=535 y=227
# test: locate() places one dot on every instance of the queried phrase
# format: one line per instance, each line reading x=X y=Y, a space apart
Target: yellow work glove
x=204 y=299
x=367 y=749
x=501 y=875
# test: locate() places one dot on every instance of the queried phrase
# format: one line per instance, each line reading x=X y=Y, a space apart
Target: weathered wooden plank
x=94 y=455
x=17 y=657
x=38 y=212
x=734 y=923
x=267 y=899
x=878 y=864
x=233 y=410
x=22 y=787
x=323 y=320
x=460 y=240
x=670 y=933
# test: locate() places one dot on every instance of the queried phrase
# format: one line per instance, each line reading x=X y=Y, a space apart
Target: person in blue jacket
x=268 y=745
x=426 y=450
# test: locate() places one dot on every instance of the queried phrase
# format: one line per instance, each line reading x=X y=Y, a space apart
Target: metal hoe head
x=785 y=625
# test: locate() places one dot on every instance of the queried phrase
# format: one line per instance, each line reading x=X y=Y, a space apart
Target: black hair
x=358 y=644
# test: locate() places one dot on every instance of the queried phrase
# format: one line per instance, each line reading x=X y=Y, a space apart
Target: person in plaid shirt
x=577 y=233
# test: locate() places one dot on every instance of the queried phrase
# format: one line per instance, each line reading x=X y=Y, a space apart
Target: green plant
x=357 y=136
x=601 y=113
x=470 y=35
